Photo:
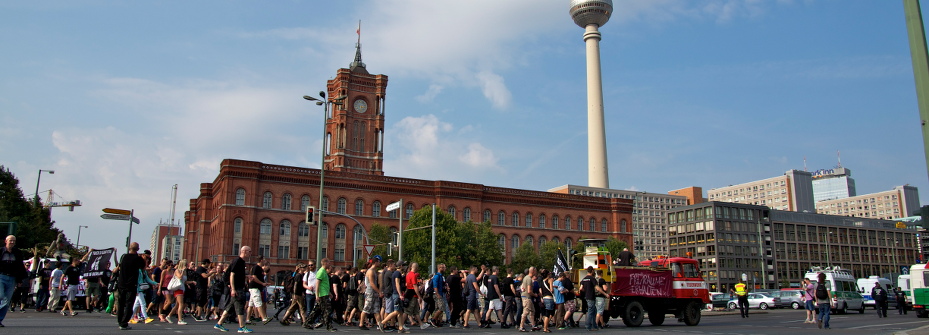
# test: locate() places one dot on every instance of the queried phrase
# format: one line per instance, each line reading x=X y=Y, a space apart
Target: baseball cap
x=377 y=258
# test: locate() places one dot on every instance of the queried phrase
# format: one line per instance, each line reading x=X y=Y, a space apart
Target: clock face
x=361 y=106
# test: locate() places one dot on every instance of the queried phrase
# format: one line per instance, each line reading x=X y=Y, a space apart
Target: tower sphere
x=585 y=12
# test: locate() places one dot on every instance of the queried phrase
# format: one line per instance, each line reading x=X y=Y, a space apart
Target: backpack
x=427 y=290
x=289 y=283
x=821 y=292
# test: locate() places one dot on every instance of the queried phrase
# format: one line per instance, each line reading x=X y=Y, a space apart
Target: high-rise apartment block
x=166 y=242
x=831 y=184
x=898 y=202
x=791 y=192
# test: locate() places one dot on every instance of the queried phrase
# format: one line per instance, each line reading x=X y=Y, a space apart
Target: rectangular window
x=303 y=253
x=283 y=251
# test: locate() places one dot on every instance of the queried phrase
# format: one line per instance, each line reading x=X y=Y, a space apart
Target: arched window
x=501 y=241
x=622 y=225
x=325 y=204
x=554 y=221
x=529 y=241
x=237 y=226
x=603 y=225
x=514 y=243
x=514 y=219
x=359 y=207
x=568 y=244
x=340 y=231
x=265 y=227
x=376 y=209
x=567 y=222
x=556 y=240
x=580 y=223
x=304 y=202
x=486 y=215
x=593 y=224
x=451 y=211
x=240 y=197
x=284 y=229
x=303 y=229
x=324 y=232
x=529 y=220
x=466 y=214
x=285 y=201
x=501 y=218
x=541 y=242
x=340 y=206
x=542 y=221
x=266 y=201
x=359 y=233
x=409 y=210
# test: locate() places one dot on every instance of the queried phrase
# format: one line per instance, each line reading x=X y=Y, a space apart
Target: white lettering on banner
x=645 y=285
x=689 y=284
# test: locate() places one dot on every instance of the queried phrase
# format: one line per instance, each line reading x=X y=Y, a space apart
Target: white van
x=903 y=281
x=842 y=284
x=866 y=284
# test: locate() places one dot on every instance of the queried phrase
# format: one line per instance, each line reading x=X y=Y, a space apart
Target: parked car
x=719 y=300
x=757 y=300
x=792 y=298
x=848 y=300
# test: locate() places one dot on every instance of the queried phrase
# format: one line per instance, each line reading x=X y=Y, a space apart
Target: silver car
x=757 y=300
x=792 y=298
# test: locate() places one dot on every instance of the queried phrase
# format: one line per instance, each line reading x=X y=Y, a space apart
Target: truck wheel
x=634 y=314
x=692 y=314
x=861 y=310
x=656 y=317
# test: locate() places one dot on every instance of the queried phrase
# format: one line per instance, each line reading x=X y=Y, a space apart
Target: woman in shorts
x=180 y=272
x=548 y=300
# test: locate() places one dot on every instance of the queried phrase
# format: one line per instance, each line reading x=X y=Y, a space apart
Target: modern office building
x=792 y=191
x=158 y=245
x=899 y=202
x=730 y=239
x=649 y=215
x=831 y=184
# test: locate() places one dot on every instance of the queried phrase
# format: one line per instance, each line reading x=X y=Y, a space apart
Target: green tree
x=615 y=246
x=29 y=216
x=379 y=236
x=525 y=257
x=457 y=243
x=548 y=252
x=577 y=261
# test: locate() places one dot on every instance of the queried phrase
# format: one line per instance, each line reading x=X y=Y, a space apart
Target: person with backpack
x=297 y=302
x=879 y=293
x=823 y=302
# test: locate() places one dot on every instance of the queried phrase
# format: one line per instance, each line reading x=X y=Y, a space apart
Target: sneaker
x=220 y=328
x=403 y=331
x=181 y=322
x=63 y=313
x=133 y=321
x=149 y=320
x=200 y=319
x=266 y=321
x=363 y=328
x=168 y=320
x=125 y=328
x=244 y=330
x=332 y=330
x=562 y=328
x=73 y=313
x=523 y=330
x=424 y=326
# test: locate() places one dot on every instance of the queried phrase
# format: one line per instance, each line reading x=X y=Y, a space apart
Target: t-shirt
x=470 y=280
x=322 y=280
x=393 y=280
x=492 y=284
x=56 y=277
x=259 y=274
x=336 y=281
x=625 y=258
x=588 y=285
x=310 y=280
x=438 y=281
x=454 y=286
x=569 y=287
x=505 y=288
x=236 y=271
x=201 y=281
x=600 y=283
x=156 y=274
x=129 y=266
x=556 y=291
x=45 y=275
x=73 y=274
x=412 y=278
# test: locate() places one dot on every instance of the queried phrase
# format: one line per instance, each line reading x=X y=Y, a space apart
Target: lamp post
x=322 y=167
x=826 y=237
x=39 y=180
x=79 y=235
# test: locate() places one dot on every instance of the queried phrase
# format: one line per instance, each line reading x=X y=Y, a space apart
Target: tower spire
x=357 y=63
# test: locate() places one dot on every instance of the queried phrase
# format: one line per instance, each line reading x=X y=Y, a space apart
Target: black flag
x=561 y=264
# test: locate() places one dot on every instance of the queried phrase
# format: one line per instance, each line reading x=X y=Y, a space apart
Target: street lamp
x=322 y=167
x=37 y=181
x=79 y=235
x=826 y=236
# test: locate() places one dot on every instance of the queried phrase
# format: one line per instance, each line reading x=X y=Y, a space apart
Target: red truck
x=655 y=287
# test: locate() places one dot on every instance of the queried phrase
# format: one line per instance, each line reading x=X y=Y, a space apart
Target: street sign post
x=369 y=248
x=122 y=214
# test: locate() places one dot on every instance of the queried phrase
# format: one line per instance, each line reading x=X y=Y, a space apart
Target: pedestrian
x=494 y=304
x=548 y=299
x=570 y=303
x=589 y=290
x=337 y=294
x=218 y=290
x=202 y=275
x=823 y=302
x=236 y=300
x=741 y=292
x=879 y=293
x=323 y=308
x=42 y=294
x=12 y=271
x=297 y=304
x=55 y=284
x=392 y=309
x=353 y=289
x=180 y=302
x=808 y=300
x=508 y=290
x=373 y=294
x=167 y=296
x=144 y=283
x=73 y=280
x=309 y=288
x=439 y=296
x=602 y=300
x=471 y=303
x=256 y=285
x=558 y=291
x=900 y=297
x=455 y=296
x=130 y=265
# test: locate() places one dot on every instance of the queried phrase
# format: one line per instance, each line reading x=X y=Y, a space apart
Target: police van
x=866 y=284
x=843 y=286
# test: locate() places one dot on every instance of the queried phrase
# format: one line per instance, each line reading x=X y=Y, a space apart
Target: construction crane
x=69 y=204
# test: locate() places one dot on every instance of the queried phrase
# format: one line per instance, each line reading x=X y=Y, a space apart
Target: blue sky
x=124 y=99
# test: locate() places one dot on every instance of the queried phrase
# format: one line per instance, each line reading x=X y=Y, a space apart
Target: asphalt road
x=772 y=322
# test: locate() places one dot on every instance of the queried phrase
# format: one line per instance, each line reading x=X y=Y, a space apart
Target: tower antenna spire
x=804 y=164
x=839 y=154
x=357 y=63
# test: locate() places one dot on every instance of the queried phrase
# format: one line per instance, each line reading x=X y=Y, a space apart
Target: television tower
x=591 y=15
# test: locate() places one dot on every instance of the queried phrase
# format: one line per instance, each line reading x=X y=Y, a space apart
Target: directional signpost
x=123 y=215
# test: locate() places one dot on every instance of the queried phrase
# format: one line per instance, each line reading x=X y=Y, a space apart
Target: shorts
x=72 y=292
x=255 y=299
x=236 y=303
x=178 y=293
x=412 y=307
x=351 y=301
x=440 y=303
x=471 y=302
x=203 y=296
x=93 y=290
x=549 y=307
x=372 y=303
x=570 y=306
x=496 y=304
x=392 y=303
x=810 y=306
x=528 y=308
x=601 y=305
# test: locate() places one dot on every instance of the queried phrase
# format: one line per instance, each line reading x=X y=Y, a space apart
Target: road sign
x=904 y=269
x=117 y=211
x=119 y=217
x=369 y=248
x=901 y=225
x=393 y=206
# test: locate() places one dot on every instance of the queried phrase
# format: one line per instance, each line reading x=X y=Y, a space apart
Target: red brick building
x=262 y=205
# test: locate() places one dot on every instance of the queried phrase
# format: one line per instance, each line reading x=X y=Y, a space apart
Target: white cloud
x=495 y=89
x=431 y=149
x=430 y=94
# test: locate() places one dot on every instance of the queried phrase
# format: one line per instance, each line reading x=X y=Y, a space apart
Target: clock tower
x=355 y=128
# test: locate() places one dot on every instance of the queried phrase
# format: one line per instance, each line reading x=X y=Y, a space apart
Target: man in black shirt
x=73 y=275
x=493 y=297
x=509 y=300
x=129 y=266
x=256 y=286
x=203 y=292
x=625 y=257
x=45 y=275
x=236 y=300
x=454 y=295
x=12 y=271
x=589 y=289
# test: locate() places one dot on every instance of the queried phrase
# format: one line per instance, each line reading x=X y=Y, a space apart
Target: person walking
x=12 y=271
x=808 y=300
x=73 y=279
x=879 y=293
x=130 y=265
x=55 y=287
x=373 y=294
x=589 y=290
x=741 y=292
x=42 y=295
x=823 y=302
x=236 y=300
x=900 y=297
x=297 y=304
x=257 y=284
x=323 y=308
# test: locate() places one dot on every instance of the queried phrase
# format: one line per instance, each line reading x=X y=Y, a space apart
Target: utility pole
x=920 y=57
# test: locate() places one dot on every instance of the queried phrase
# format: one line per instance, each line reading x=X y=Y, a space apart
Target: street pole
x=402 y=211
x=826 y=237
x=79 y=235
x=39 y=180
x=322 y=179
x=432 y=268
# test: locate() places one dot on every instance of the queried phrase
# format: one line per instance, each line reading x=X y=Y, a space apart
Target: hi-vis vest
x=740 y=289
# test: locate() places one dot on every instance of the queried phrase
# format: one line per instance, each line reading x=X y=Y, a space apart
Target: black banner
x=98 y=261
x=561 y=264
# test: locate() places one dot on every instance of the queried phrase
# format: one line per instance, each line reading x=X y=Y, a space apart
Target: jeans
x=509 y=310
x=41 y=297
x=125 y=299
x=309 y=302
x=7 y=286
x=824 y=310
x=591 y=314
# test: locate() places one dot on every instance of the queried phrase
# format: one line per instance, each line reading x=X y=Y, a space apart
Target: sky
x=125 y=99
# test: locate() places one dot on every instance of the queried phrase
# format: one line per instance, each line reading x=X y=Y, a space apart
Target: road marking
x=887 y=324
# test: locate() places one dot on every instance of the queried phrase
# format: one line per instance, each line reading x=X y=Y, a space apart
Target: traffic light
x=923 y=213
x=311 y=215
